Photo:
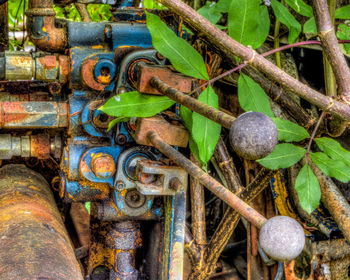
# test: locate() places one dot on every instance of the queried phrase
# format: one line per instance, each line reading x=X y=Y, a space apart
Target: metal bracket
x=155 y=178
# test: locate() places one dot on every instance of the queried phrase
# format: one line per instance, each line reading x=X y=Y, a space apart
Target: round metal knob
x=253 y=135
x=282 y=238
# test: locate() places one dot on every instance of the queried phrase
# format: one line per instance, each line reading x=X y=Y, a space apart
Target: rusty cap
x=103 y=166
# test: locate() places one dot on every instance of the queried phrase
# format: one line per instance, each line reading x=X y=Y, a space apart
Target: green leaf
x=186 y=116
x=210 y=12
x=343 y=33
x=289 y=131
x=308 y=189
x=252 y=97
x=283 y=156
x=115 y=121
x=205 y=132
x=285 y=17
x=181 y=54
x=263 y=28
x=300 y=7
x=310 y=26
x=333 y=149
x=332 y=168
x=343 y=12
x=135 y=104
x=223 y=6
x=244 y=20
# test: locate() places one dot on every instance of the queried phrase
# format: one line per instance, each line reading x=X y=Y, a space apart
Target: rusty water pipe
x=33 y=239
x=41 y=27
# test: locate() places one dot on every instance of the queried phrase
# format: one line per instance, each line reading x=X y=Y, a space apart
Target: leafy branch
x=246 y=27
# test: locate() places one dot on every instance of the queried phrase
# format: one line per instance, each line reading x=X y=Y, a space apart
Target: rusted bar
x=334 y=201
x=228 y=224
x=197 y=209
x=34 y=242
x=201 y=108
x=4 y=29
x=81 y=220
x=84 y=13
x=210 y=183
x=226 y=165
x=33 y=114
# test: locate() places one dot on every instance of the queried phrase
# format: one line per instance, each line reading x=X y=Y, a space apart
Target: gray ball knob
x=253 y=135
x=282 y=238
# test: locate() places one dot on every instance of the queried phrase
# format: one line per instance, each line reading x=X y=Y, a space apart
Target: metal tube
x=201 y=108
x=210 y=183
x=33 y=114
x=33 y=240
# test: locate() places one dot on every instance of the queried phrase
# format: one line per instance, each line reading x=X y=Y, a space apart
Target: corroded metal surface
x=198 y=224
x=334 y=201
x=34 y=242
x=33 y=114
x=174 y=134
x=124 y=238
x=41 y=26
x=174 y=80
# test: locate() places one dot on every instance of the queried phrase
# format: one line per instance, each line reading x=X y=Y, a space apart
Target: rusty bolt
x=103 y=166
x=282 y=238
x=134 y=199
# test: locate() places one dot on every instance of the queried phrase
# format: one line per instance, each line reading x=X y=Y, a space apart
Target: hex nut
x=253 y=135
x=282 y=238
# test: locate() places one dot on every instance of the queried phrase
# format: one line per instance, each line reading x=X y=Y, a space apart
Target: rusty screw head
x=121 y=139
x=282 y=238
x=134 y=199
x=253 y=135
x=103 y=166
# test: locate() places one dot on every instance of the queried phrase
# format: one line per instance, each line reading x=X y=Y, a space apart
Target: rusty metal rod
x=201 y=108
x=198 y=224
x=210 y=183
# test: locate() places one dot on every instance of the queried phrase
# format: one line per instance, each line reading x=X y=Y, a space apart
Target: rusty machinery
x=55 y=94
